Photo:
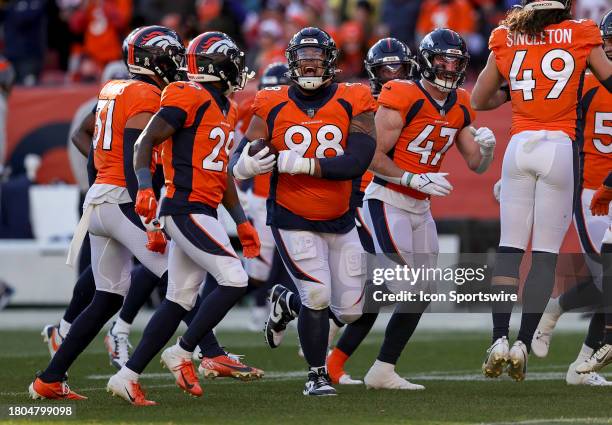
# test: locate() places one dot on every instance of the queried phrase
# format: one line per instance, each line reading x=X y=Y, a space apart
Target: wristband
x=237 y=214
x=145 y=181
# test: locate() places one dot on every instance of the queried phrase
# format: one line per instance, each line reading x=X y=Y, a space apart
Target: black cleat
x=319 y=383
x=280 y=315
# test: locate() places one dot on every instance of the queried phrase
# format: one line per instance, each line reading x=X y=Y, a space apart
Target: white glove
x=292 y=163
x=486 y=140
x=431 y=183
x=497 y=190
x=251 y=166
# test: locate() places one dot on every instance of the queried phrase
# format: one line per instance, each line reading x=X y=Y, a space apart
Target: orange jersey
x=195 y=158
x=312 y=128
x=261 y=182
x=597 y=132
x=429 y=131
x=118 y=101
x=545 y=73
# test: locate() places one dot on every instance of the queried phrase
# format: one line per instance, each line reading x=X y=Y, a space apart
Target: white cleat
x=383 y=376
x=597 y=361
x=347 y=380
x=52 y=337
x=130 y=391
x=118 y=347
x=592 y=379
x=540 y=343
x=497 y=357
x=517 y=363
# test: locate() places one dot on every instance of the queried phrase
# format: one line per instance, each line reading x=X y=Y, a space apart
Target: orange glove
x=156 y=241
x=601 y=200
x=146 y=204
x=249 y=239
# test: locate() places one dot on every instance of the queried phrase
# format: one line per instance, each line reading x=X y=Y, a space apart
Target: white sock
x=554 y=307
x=64 y=327
x=317 y=369
x=180 y=351
x=585 y=353
x=383 y=366
x=121 y=327
x=128 y=374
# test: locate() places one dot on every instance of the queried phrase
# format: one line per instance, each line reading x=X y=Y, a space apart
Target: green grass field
x=447 y=364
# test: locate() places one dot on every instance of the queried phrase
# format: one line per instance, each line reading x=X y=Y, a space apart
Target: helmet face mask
x=388 y=59
x=311 y=56
x=443 y=59
x=448 y=70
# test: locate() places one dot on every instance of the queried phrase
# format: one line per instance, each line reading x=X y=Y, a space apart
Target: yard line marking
x=552 y=421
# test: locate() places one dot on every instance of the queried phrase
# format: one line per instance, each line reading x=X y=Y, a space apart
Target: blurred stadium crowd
x=61 y=41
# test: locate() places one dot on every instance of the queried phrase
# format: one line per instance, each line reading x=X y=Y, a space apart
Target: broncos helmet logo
x=217 y=45
x=159 y=39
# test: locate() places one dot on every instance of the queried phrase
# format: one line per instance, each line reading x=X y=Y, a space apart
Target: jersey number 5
x=603 y=129
x=104 y=124
x=557 y=65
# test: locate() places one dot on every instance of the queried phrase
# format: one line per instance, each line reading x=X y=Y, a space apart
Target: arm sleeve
x=92 y=173
x=353 y=163
x=130 y=135
x=236 y=154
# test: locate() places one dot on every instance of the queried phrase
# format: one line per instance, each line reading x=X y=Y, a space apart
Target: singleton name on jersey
x=550 y=36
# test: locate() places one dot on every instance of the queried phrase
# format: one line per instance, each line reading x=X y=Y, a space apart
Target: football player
x=596 y=160
x=116 y=232
x=542 y=53
x=324 y=133
x=417 y=122
x=197 y=120
x=388 y=59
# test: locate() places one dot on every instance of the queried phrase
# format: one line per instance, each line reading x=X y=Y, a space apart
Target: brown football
x=259 y=144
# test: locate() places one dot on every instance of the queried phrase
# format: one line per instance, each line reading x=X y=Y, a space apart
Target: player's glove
x=431 y=183
x=600 y=204
x=486 y=140
x=156 y=241
x=249 y=239
x=146 y=204
x=497 y=190
x=251 y=166
x=292 y=163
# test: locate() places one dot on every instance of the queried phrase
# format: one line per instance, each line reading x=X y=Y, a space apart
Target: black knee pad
x=508 y=261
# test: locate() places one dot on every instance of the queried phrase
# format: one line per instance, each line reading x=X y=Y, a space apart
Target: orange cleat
x=183 y=371
x=228 y=366
x=130 y=391
x=58 y=390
